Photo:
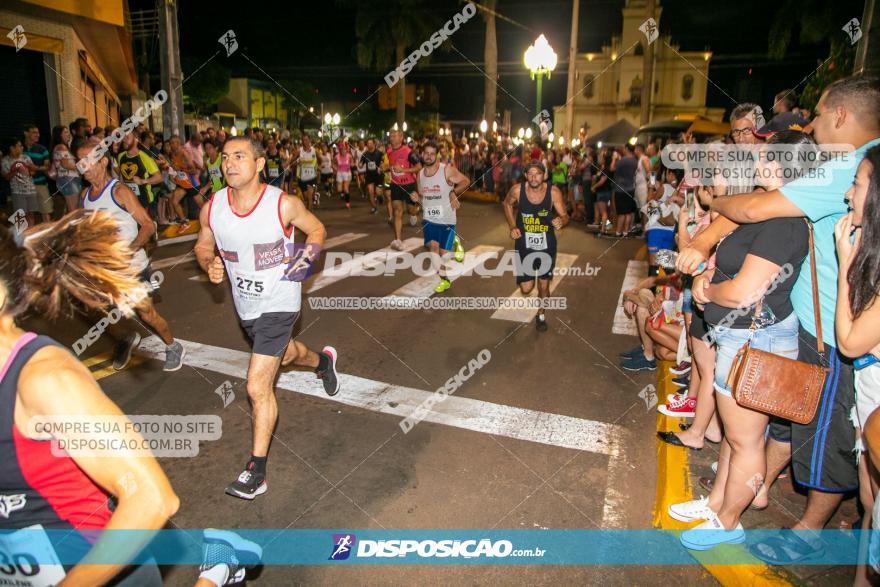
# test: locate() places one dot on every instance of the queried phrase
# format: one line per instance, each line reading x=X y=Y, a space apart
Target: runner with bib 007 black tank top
x=56 y=492
x=252 y=224
x=534 y=232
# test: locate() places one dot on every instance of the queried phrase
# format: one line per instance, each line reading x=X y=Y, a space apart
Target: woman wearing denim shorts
x=746 y=300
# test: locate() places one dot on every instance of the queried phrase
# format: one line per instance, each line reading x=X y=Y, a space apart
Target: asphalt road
x=550 y=433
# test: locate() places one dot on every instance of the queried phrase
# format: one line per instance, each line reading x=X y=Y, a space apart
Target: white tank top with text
x=435 y=190
x=256 y=250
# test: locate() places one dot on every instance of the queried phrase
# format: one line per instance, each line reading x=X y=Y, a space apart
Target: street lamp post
x=540 y=59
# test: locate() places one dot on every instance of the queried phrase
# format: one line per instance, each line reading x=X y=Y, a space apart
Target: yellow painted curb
x=674 y=486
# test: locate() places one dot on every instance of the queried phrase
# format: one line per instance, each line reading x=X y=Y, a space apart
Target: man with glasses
x=534 y=232
x=745 y=119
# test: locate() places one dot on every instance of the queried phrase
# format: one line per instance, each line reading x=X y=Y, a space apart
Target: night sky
x=315 y=41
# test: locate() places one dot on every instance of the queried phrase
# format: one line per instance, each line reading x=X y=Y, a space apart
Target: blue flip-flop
x=786 y=549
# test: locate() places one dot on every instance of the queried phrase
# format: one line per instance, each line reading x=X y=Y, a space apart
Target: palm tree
x=817 y=21
x=385 y=33
x=490 y=56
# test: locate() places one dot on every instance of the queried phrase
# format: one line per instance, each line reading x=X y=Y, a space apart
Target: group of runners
x=95 y=257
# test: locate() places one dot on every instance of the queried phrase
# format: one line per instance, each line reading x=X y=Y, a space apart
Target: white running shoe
x=710 y=534
x=691 y=511
x=397 y=245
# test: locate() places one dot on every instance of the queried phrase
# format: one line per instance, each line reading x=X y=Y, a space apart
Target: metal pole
x=538 y=106
x=572 y=69
x=171 y=76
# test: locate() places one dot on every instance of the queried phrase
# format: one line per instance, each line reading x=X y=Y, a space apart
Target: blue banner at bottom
x=39 y=546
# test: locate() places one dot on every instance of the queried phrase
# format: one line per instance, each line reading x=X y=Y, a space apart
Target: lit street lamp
x=529 y=133
x=521 y=132
x=484 y=126
x=540 y=60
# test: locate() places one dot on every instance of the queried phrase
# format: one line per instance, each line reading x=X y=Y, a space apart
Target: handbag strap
x=820 y=345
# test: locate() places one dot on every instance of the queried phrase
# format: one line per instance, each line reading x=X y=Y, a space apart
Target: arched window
x=589 y=85
x=635 y=92
x=687 y=87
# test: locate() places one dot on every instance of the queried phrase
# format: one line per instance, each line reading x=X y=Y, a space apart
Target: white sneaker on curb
x=690 y=511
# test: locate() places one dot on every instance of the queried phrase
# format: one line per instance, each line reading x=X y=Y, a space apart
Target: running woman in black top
x=534 y=232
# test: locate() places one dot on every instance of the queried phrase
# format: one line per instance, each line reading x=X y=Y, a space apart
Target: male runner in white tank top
x=439 y=186
x=252 y=224
x=136 y=228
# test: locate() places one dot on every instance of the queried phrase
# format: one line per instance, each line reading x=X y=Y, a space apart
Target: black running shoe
x=541 y=323
x=329 y=375
x=124 y=348
x=223 y=547
x=248 y=485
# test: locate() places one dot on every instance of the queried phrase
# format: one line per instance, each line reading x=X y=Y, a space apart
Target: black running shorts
x=271 y=332
x=534 y=264
x=822 y=455
x=401 y=192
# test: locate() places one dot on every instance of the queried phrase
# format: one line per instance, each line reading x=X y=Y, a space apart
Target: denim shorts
x=687 y=299
x=780 y=339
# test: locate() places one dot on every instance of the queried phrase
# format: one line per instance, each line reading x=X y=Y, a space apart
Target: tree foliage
x=204 y=84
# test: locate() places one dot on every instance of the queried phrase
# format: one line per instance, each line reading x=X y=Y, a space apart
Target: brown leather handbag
x=779 y=386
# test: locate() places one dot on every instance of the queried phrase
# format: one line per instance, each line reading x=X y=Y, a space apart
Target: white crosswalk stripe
x=354 y=266
x=563 y=261
x=459 y=412
x=423 y=287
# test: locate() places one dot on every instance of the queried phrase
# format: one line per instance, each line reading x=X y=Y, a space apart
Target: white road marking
x=172 y=261
x=377 y=396
x=423 y=287
x=459 y=412
x=635 y=272
x=178 y=239
x=334 y=241
x=356 y=265
x=526 y=314
x=337 y=241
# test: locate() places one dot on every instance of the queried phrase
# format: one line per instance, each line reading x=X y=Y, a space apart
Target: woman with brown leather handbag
x=746 y=301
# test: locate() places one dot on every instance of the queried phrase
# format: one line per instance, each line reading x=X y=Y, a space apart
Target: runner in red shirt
x=404 y=164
